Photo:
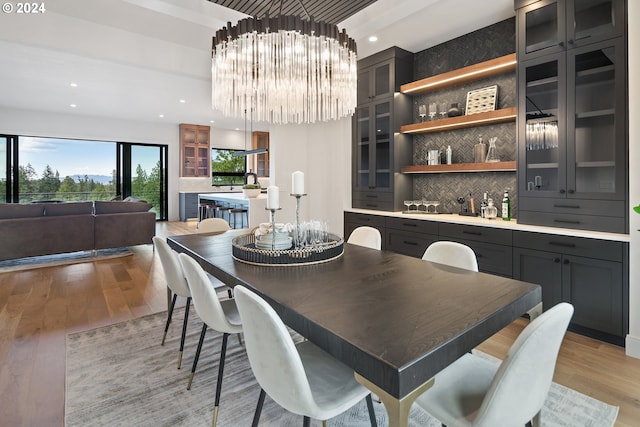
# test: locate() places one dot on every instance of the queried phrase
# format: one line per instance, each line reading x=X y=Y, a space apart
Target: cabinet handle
x=562 y=191
x=406 y=242
x=371 y=206
x=567 y=206
x=556 y=260
x=478 y=255
x=371 y=196
x=473 y=233
x=409 y=225
x=563 y=244
x=566 y=221
x=571 y=191
x=561 y=44
x=566 y=262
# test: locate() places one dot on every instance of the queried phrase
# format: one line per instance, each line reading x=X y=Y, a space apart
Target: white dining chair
x=301 y=378
x=212 y=225
x=476 y=392
x=451 y=253
x=366 y=236
x=176 y=283
x=221 y=316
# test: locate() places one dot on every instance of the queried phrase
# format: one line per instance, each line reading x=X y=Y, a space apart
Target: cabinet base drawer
x=578 y=246
x=413 y=225
x=408 y=243
x=475 y=233
x=492 y=258
x=611 y=208
x=580 y=222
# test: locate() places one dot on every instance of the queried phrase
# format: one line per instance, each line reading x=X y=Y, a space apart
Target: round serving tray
x=244 y=250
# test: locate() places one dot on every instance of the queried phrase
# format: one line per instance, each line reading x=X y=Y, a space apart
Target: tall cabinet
x=195 y=150
x=379 y=150
x=572 y=119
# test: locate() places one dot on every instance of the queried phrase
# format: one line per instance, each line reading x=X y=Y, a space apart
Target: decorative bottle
x=506 y=206
x=490 y=212
x=448 y=154
x=483 y=206
x=492 y=154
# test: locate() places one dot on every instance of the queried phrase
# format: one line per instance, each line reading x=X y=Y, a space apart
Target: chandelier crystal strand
x=285 y=69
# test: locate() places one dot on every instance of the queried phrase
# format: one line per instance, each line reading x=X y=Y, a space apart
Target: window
x=227 y=167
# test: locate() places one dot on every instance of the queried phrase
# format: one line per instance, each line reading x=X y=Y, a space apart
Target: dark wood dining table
x=395 y=320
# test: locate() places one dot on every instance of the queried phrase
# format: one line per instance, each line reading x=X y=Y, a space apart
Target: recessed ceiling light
x=73 y=84
x=182 y=101
x=237 y=128
x=161 y=115
x=212 y=121
x=373 y=39
x=72 y=105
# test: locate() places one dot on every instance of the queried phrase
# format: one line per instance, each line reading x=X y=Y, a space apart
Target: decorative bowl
x=251 y=192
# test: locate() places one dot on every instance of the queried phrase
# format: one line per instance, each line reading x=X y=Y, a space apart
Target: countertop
x=498 y=223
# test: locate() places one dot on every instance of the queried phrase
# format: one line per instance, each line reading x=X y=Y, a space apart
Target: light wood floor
x=39 y=307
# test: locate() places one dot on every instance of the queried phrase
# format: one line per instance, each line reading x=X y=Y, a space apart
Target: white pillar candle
x=273 y=197
x=297 y=182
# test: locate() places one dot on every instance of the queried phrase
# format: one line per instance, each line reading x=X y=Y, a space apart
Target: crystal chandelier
x=284 y=69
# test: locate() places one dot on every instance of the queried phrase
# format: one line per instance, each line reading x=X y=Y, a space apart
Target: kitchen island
x=256 y=206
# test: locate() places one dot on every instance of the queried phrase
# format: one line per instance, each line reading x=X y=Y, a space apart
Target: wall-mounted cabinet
x=195 y=150
x=260 y=141
x=572 y=123
x=379 y=151
x=551 y=26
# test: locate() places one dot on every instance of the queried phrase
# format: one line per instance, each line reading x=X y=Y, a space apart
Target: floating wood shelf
x=480 y=119
x=509 y=166
x=503 y=64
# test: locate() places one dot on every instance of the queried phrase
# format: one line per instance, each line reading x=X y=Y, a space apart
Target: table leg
x=397 y=409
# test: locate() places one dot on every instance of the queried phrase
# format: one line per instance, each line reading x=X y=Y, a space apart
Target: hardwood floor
x=39 y=307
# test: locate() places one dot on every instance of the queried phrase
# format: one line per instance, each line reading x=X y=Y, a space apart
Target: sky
x=78 y=157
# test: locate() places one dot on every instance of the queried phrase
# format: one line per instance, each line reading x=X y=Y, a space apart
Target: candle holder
x=297 y=236
x=273 y=226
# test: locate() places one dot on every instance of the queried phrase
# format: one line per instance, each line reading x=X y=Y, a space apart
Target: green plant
x=251 y=186
x=637 y=209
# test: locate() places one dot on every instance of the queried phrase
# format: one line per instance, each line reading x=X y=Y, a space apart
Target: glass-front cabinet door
x=363 y=152
x=542 y=28
x=373 y=154
x=595 y=116
x=375 y=82
x=594 y=20
x=541 y=115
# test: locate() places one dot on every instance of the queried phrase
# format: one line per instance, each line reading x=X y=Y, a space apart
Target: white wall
x=36 y=123
x=633 y=339
x=323 y=152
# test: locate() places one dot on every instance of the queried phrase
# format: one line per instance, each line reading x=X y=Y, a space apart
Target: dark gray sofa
x=51 y=228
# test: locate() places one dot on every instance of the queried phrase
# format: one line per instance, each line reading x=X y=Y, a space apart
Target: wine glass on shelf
x=442 y=110
x=407 y=203
x=433 y=110
x=435 y=204
x=422 y=112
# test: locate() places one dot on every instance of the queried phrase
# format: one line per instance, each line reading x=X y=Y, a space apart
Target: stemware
x=407 y=203
x=422 y=112
x=433 y=110
x=442 y=109
x=435 y=203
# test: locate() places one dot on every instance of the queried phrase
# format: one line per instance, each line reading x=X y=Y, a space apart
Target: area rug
x=120 y=375
x=61 y=259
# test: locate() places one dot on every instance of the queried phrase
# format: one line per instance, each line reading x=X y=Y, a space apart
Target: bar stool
x=243 y=212
x=221 y=209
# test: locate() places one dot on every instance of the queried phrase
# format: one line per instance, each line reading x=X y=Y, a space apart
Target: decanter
x=492 y=154
x=490 y=212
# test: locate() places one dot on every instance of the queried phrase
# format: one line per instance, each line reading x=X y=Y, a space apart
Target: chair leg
x=195 y=359
x=184 y=331
x=223 y=353
x=169 y=314
x=306 y=422
x=240 y=340
x=256 y=415
x=372 y=412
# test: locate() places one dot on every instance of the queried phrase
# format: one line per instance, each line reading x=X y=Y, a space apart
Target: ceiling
x=149 y=60
x=330 y=11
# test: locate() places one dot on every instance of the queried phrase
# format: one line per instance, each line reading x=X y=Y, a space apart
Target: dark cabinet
x=588 y=273
x=379 y=150
x=410 y=236
x=572 y=139
x=549 y=26
x=355 y=220
x=492 y=246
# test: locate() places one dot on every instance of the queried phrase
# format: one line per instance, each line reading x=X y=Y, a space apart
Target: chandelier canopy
x=284 y=69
